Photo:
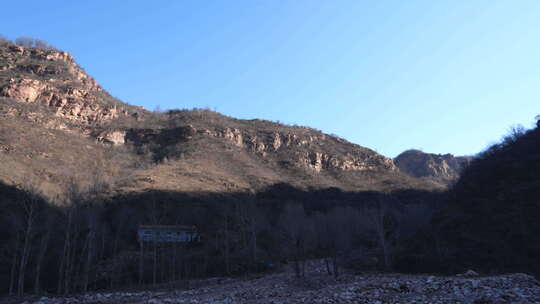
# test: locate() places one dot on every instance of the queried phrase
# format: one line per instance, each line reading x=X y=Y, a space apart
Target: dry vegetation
x=54 y=158
x=72 y=200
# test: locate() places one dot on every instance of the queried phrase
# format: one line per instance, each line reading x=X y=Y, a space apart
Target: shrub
x=33 y=42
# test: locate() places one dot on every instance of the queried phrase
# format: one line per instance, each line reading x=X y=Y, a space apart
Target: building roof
x=168 y=227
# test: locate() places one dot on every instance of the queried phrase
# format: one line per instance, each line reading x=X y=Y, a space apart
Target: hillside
x=497 y=198
x=80 y=171
x=441 y=169
x=59 y=125
x=490 y=221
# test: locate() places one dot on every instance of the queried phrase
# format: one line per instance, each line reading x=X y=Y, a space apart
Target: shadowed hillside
x=490 y=222
x=89 y=242
x=498 y=198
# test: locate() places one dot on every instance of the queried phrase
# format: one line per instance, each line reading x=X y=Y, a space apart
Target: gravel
x=317 y=287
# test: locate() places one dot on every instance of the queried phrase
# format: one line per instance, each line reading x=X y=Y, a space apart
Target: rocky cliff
x=52 y=78
x=306 y=150
x=181 y=150
x=440 y=168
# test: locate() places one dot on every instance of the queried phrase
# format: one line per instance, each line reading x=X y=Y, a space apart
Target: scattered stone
x=469 y=273
x=317 y=287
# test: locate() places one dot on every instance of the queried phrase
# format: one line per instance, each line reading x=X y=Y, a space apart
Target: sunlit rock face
x=315 y=152
x=52 y=78
x=439 y=168
x=180 y=150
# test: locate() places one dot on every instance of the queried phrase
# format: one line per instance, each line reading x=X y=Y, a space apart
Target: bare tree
x=24 y=41
x=90 y=247
x=298 y=232
x=29 y=202
x=16 y=248
x=252 y=221
x=155 y=219
x=225 y=232
x=4 y=40
x=335 y=232
x=44 y=243
x=382 y=220
x=42 y=44
x=323 y=237
x=33 y=42
x=71 y=200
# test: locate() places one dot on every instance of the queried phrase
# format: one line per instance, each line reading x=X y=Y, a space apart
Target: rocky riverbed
x=317 y=287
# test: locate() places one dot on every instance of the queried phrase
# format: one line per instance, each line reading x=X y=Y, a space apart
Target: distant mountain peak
x=443 y=169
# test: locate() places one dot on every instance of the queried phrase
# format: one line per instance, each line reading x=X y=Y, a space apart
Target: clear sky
x=441 y=76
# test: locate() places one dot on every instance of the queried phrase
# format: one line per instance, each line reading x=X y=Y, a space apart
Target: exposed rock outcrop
x=439 y=168
x=52 y=78
x=182 y=150
x=116 y=137
x=306 y=151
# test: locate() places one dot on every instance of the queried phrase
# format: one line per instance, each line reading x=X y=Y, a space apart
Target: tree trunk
x=71 y=258
x=226 y=240
x=26 y=248
x=163 y=261
x=297 y=259
x=89 y=256
x=174 y=262
x=154 y=277
x=43 y=248
x=381 y=231
x=254 y=247
x=61 y=269
x=113 y=275
x=141 y=262
x=328 y=271
x=65 y=254
x=14 y=264
x=336 y=266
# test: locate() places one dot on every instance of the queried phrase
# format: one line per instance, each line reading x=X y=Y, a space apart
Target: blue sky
x=441 y=76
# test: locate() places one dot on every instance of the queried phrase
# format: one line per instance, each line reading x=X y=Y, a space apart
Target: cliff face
x=181 y=150
x=305 y=150
x=52 y=78
x=439 y=168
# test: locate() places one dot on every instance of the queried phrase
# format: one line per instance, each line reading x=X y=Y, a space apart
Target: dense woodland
x=84 y=241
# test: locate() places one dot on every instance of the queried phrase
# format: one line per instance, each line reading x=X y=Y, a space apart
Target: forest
x=85 y=241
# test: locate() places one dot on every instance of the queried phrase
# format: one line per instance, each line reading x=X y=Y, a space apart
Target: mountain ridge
x=198 y=148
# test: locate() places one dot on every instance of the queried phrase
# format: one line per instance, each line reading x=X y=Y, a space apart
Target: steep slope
x=491 y=222
x=199 y=150
x=37 y=147
x=53 y=78
x=443 y=169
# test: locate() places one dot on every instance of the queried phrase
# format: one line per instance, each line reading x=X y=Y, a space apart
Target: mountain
x=59 y=126
x=494 y=207
x=80 y=171
x=441 y=169
x=489 y=220
x=52 y=78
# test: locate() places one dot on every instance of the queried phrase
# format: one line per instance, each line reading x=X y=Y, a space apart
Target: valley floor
x=317 y=287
